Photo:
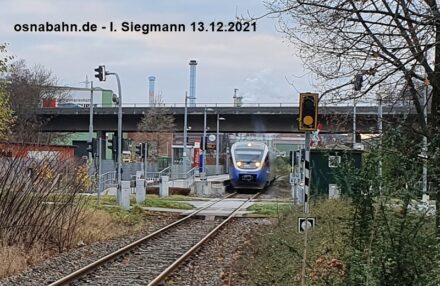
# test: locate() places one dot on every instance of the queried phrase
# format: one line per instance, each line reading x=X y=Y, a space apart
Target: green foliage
x=282 y=166
x=172 y=202
x=392 y=242
x=133 y=216
x=270 y=209
x=277 y=257
x=376 y=235
x=164 y=203
x=7 y=117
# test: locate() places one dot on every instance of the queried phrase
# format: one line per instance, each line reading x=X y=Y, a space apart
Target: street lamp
x=185 y=134
x=204 y=142
x=217 y=149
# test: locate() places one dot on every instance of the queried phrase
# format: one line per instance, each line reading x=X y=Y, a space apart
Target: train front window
x=248 y=155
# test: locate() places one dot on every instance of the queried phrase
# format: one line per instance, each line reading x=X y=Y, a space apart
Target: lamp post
x=204 y=142
x=217 y=149
x=185 y=136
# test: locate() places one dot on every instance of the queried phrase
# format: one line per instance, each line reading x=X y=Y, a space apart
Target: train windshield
x=248 y=155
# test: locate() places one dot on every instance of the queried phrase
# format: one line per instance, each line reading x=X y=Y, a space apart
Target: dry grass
x=102 y=224
x=96 y=224
x=14 y=259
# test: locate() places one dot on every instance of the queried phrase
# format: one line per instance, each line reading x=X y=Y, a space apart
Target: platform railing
x=107 y=180
x=154 y=177
x=185 y=180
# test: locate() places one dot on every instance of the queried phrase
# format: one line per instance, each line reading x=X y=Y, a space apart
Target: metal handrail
x=106 y=178
x=187 y=177
x=167 y=170
x=155 y=176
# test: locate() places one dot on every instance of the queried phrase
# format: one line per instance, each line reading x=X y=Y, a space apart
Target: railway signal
x=358 y=79
x=140 y=150
x=92 y=147
x=113 y=145
x=308 y=111
x=100 y=73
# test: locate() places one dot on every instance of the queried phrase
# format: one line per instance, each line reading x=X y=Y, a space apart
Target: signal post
x=308 y=121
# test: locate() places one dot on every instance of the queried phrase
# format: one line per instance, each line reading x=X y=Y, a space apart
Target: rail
x=162 y=276
x=92 y=266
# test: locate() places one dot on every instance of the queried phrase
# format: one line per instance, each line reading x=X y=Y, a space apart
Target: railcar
x=251 y=165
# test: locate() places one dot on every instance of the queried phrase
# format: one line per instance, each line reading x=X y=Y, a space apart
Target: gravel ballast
x=215 y=263
x=65 y=263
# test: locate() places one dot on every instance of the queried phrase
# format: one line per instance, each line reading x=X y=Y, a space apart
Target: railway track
x=152 y=258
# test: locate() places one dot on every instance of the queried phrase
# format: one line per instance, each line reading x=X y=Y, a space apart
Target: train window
x=249 y=155
x=334 y=161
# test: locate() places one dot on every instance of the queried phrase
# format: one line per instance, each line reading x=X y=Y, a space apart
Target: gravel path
x=58 y=266
x=215 y=263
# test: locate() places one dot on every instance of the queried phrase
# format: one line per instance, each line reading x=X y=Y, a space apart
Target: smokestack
x=152 y=80
x=192 y=83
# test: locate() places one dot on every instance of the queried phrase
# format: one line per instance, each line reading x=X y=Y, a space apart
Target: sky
x=261 y=64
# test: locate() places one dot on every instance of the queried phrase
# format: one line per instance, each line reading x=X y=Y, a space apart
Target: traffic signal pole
x=145 y=160
x=91 y=119
x=100 y=185
x=119 y=168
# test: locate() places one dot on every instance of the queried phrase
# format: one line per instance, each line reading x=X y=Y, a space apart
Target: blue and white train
x=251 y=165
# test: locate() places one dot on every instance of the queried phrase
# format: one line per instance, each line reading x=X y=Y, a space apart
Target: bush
x=38 y=201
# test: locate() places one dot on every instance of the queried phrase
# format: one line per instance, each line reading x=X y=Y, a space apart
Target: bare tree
x=27 y=88
x=393 y=44
x=39 y=198
x=158 y=124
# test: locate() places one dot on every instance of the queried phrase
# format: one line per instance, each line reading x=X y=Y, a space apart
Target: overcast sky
x=260 y=64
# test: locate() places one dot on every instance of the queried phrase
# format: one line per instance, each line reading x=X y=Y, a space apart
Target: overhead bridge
x=262 y=119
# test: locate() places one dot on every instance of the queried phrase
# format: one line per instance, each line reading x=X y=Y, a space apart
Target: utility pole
x=217 y=145
x=100 y=185
x=306 y=204
x=145 y=160
x=425 y=148
x=91 y=119
x=203 y=175
x=380 y=143
x=185 y=136
x=354 y=122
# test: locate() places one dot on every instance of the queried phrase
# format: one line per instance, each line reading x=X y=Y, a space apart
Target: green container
x=323 y=164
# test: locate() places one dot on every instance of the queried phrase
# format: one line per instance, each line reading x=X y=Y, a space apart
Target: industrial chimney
x=192 y=83
x=151 y=98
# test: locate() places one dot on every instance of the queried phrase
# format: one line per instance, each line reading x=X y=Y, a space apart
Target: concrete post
x=163 y=188
x=124 y=201
x=140 y=191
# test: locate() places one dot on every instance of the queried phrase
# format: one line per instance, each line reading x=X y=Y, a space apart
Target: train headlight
x=257 y=164
x=239 y=164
